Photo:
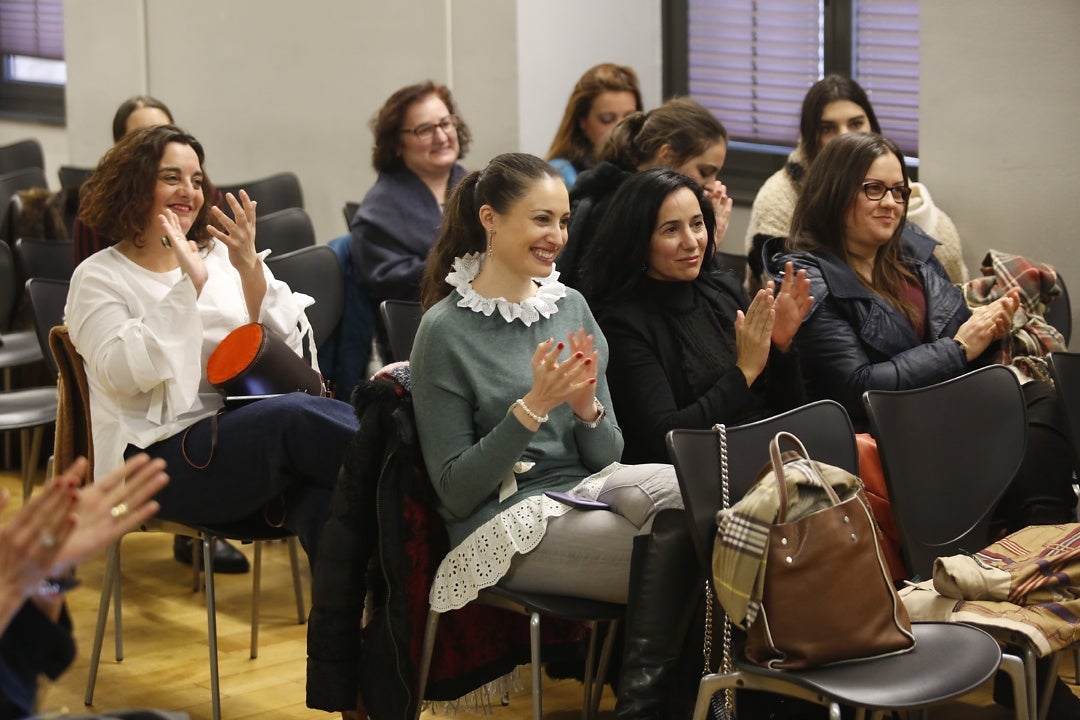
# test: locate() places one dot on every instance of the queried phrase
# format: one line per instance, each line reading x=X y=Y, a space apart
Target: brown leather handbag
x=807 y=563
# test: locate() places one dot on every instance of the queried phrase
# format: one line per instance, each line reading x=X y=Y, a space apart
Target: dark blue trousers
x=279 y=456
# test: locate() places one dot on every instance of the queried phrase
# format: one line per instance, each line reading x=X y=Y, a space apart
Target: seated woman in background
x=604 y=95
x=146 y=313
x=687 y=348
x=680 y=135
x=419 y=139
x=137 y=112
x=511 y=401
x=835 y=106
x=886 y=317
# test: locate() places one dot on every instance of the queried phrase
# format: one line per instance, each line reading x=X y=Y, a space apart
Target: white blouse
x=145 y=339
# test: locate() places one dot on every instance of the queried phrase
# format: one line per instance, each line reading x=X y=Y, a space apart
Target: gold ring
x=119 y=510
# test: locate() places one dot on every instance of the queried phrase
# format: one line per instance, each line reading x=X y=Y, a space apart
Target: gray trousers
x=586 y=553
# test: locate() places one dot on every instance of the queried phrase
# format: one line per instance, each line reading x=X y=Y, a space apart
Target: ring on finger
x=48 y=540
x=119 y=510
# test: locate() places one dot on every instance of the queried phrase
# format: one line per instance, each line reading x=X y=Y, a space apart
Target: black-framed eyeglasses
x=426 y=131
x=876 y=190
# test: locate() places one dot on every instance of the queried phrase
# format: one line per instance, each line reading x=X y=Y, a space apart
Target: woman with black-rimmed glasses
x=886 y=317
x=419 y=139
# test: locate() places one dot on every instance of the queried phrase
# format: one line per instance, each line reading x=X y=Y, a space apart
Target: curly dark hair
x=118 y=197
x=387 y=123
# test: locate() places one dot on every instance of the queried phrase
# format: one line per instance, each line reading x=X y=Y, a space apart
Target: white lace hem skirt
x=483 y=558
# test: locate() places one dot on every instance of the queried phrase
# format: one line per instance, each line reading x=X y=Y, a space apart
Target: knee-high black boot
x=663 y=594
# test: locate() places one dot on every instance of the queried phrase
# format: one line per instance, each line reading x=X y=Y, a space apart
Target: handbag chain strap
x=726 y=663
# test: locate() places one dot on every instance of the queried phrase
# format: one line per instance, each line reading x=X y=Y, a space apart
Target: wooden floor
x=165 y=647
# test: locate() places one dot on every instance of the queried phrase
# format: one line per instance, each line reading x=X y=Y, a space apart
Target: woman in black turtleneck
x=687 y=348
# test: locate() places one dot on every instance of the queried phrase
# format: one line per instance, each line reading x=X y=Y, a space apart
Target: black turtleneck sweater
x=672 y=363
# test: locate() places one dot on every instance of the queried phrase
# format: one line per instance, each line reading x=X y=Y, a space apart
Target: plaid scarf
x=1031 y=337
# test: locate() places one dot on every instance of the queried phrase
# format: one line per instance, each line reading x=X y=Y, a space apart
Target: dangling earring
x=490 y=246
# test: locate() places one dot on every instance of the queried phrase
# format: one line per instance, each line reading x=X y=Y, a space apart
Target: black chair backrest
x=823 y=427
x=401 y=319
x=9 y=289
x=48 y=298
x=350 y=212
x=11 y=183
x=284 y=231
x=949 y=451
x=314 y=271
x=273 y=193
x=72 y=177
x=1065 y=369
x=1059 y=313
x=21 y=155
x=36 y=258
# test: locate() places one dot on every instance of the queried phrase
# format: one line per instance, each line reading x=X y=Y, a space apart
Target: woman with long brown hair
x=603 y=96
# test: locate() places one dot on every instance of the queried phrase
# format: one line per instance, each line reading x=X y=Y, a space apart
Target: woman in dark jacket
x=681 y=135
x=886 y=317
x=688 y=348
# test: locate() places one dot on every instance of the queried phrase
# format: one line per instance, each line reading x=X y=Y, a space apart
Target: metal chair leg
x=211 y=625
x=534 y=652
x=587 y=682
x=601 y=668
x=426 y=650
x=118 y=607
x=112 y=561
x=256 y=583
x=298 y=586
x=1013 y=667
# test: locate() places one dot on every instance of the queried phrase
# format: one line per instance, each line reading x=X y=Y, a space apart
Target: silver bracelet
x=541 y=419
x=592 y=424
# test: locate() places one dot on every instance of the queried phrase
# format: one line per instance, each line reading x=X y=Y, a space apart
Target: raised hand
x=722 y=205
x=555 y=382
x=791 y=305
x=583 y=400
x=31 y=541
x=753 y=335
x=186 y=251
x=238 y=233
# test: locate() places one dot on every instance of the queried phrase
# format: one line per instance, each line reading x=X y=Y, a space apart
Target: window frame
x=748 y=165
x=29 y=101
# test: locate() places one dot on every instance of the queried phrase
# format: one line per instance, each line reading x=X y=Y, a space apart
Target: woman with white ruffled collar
x=511 y=402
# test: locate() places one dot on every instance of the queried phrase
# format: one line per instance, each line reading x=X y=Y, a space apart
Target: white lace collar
x=542 y=304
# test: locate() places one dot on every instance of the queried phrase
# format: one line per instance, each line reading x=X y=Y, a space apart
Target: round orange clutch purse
x=253 y=361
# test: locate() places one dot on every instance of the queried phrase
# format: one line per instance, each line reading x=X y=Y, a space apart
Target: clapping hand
x=554 y=382
x=238 y=232
x=753 y=335
x=186 y=251
x=722 y=205
x=988 y=323
x=792 y=305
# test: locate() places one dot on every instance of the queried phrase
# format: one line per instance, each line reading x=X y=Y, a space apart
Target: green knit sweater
x=467 y=370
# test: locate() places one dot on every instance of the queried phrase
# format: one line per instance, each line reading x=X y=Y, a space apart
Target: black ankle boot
x=227 y=559
x=663 y=594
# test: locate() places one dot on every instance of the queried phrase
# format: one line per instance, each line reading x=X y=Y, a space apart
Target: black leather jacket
x=853 y=340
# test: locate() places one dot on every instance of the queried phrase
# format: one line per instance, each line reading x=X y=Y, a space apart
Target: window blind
x=34 y=28
x=887 y=65
x=751 y=62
